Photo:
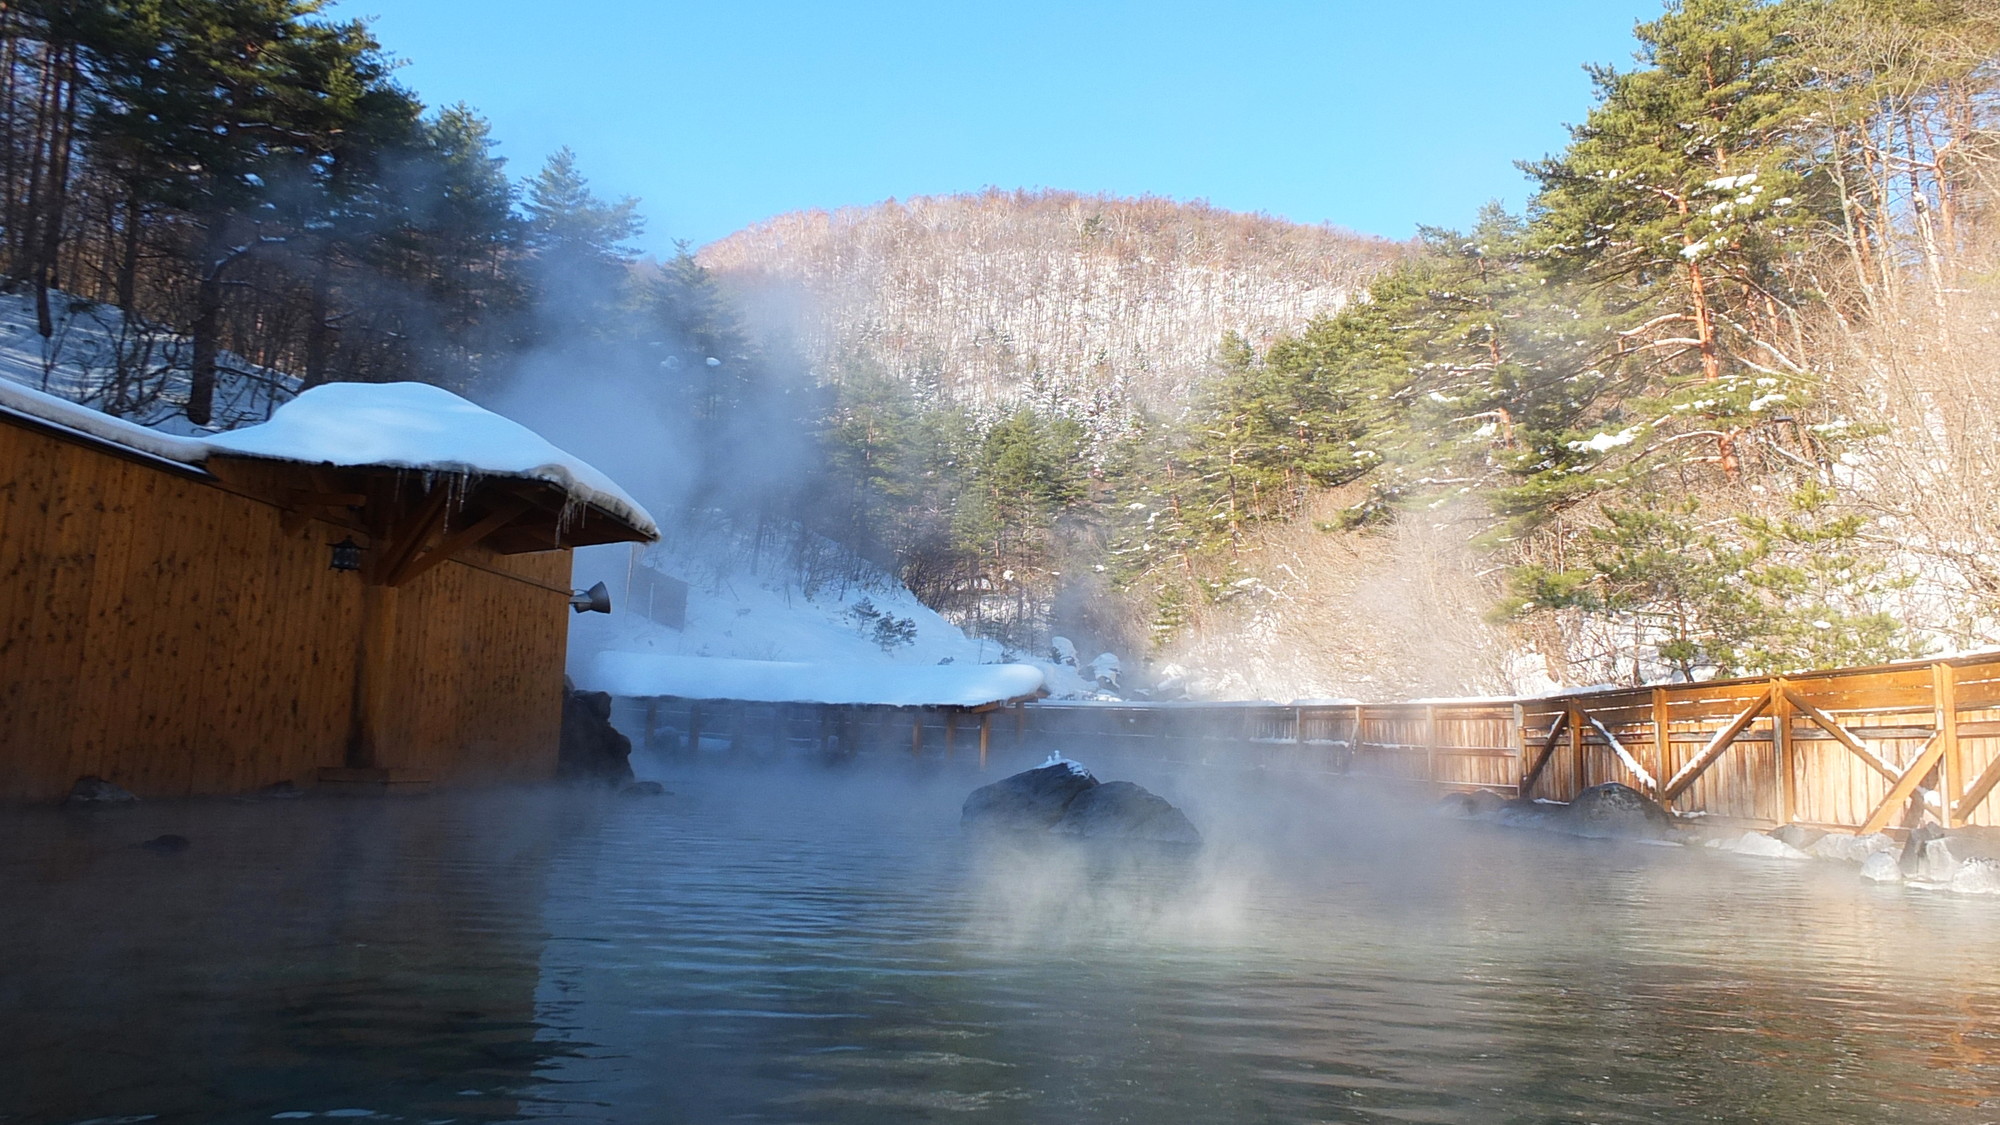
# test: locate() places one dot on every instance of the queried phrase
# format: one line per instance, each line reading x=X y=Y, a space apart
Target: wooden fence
x=1856 y=749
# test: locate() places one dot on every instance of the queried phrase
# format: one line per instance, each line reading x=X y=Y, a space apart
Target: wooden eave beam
x=401 y=544
x=1840 y=734
x=459 y=541
x=1709 y=753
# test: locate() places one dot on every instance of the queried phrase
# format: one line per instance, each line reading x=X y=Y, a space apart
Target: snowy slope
x=735 y=612
x=133 y=371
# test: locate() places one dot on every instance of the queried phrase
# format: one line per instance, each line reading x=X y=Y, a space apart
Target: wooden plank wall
x=164 y=633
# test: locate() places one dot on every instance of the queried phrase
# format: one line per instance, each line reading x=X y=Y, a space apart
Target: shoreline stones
x=1605 y=811
x=1962 y=860
x=1061 y=798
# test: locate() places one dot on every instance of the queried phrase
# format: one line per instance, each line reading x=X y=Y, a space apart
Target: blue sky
x=1375 y=115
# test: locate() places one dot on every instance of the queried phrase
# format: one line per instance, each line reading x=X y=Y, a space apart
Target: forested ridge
x=1721 y=400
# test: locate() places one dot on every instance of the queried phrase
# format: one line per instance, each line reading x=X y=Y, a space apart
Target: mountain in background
x=1000 y=296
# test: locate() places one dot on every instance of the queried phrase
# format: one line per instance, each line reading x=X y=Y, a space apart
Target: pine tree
x=579 y=242
x=1678 y=199
x=238 y=107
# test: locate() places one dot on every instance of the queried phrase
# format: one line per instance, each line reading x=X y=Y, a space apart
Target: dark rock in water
x=1123 y=811
x=1030 y=801
x=642 y=789
x=1796 y=835
x=592 y=749
x=167 y=845
x=97 y=793
x=1612 y=809
x=1475 y=803
x=1916 y=846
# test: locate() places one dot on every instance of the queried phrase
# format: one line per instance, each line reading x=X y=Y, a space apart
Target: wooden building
x=172 y=618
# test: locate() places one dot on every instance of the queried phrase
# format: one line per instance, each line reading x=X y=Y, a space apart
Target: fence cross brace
x=1722 y=741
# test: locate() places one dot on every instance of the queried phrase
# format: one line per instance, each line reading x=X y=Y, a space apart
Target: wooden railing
x=1858 y=749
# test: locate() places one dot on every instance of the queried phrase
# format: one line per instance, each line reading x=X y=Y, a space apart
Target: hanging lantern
x=346 y=555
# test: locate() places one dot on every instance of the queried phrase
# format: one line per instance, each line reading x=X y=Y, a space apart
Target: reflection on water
x=824 y=947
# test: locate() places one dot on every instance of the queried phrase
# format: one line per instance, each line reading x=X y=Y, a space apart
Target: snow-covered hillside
x=740 y=611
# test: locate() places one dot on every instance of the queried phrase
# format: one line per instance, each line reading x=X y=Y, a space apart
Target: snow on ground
x=635 y=674
x=738 y=612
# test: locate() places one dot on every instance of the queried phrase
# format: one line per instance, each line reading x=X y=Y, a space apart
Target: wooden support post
x=917 y=736
x=985 y=736
x=1430 y=744
x=652 y=722
x=1517 y=741
x=694 y=728
x=950 y=732
x=1784 y=753
x=1020 y=725
x=1663 y=745
x=1951 y=778
x=1578 y=771
x=374 y=677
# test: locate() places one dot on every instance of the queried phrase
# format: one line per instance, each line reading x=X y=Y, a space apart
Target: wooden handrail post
x=985 y=732
x=1951 y=778
x=1783 y=751
x=1663 y=746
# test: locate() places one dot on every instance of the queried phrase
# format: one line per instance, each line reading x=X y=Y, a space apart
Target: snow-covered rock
x=1756 y=844
x=1882 y=867
x=1852 y=849
x=1976 y=876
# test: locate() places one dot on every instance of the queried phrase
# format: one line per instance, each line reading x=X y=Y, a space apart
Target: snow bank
x=418 y=426
x=768 y=681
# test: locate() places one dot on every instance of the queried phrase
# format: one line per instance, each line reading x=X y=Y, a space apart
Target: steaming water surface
x=799 y=945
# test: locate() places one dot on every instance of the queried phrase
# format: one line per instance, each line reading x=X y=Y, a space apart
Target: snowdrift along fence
x=1858 y=749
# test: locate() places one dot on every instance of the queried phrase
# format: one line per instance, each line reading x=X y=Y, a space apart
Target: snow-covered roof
x=643 y=675
x=389 y=425
x=77 y=418
x=418 y=426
